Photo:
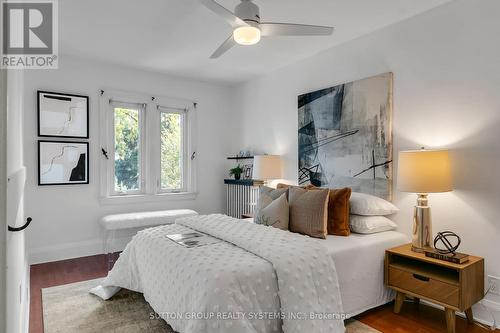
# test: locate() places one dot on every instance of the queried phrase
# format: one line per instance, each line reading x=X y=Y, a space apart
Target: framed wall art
x=63 y=163
x=63 y=115
x=345 y=136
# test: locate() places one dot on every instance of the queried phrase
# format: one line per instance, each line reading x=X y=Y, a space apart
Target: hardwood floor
x=412 y=319
x=58 y=273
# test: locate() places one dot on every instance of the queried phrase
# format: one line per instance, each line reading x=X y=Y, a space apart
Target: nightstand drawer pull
x=421 y=277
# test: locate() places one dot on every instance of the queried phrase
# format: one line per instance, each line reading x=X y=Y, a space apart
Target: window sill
x=146 y=198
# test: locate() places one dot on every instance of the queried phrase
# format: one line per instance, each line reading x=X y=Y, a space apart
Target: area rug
x=70 y=308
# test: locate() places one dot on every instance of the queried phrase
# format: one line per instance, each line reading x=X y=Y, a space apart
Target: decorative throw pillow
x=368 y=205
x=273 y=193
x=371 y=224
x=275 y=214
x=266 y=196
x=338 y=211
x=308 y=211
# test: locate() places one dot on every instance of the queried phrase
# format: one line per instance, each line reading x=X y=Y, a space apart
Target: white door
x=16 y=260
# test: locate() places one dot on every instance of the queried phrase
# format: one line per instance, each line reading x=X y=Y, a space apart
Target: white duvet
x=258 y=279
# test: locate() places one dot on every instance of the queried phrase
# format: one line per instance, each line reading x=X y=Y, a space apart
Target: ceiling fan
x=247 y=28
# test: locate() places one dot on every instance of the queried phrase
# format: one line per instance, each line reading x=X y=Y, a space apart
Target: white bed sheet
x=359 y=260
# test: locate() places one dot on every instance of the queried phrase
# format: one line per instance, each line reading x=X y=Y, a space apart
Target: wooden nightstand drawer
x=424 y=285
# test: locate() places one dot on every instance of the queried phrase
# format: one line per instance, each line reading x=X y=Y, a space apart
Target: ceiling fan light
x=247 y=35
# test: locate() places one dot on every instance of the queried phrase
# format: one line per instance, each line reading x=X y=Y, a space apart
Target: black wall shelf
x=239 y=157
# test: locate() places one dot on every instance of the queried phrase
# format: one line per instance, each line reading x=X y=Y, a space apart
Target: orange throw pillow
x=338 y=212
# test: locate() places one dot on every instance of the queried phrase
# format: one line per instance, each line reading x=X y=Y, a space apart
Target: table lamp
x=267 y=167
x=422 y=172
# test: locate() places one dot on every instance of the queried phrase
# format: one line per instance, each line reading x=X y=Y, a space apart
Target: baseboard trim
x=65 y=251
x=482 y=316
x=73 y=250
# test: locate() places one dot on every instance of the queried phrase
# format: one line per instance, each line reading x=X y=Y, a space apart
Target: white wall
x=65 y=218
x=446 y=94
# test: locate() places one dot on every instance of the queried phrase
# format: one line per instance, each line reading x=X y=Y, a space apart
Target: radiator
x=241 y=196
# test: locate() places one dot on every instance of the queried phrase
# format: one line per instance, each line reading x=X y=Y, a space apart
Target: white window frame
x=185 y=154
x=141 y=107
x=150 y=143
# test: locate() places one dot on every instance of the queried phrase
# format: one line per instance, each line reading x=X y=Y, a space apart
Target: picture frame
x=247 y=169
x=62 y=115
x=63 y=162
x=345 y=136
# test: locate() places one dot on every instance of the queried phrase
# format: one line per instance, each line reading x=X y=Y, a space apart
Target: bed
x=359 y=260
x=256 y=279
x=356 y=255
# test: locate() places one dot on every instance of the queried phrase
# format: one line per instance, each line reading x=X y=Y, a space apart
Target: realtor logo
x=29 y=38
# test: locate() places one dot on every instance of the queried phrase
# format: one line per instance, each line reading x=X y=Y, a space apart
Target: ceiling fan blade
x=289 y=29
x=232 y=19
x=228 y=43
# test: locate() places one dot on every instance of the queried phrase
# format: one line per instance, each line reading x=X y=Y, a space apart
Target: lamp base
x=422 y=225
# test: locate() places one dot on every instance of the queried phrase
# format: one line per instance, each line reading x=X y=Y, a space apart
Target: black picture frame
x=248 y=169
x=87 y=163
x=58 y=95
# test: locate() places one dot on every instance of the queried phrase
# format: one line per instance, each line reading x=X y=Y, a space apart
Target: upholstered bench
x=112 y=223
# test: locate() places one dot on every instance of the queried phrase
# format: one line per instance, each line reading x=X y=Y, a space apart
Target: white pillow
x=370 y=224
x=366 y=204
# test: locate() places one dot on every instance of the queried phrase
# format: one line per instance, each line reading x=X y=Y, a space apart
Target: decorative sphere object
x=446 y=242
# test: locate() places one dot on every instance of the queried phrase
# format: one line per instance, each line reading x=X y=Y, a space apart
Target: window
x=172 y=150
x=147 y=151
x=127 y=149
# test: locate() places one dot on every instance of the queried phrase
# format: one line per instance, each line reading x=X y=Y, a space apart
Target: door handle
x=28 y=221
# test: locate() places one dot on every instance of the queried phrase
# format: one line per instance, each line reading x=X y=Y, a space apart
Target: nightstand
x=456 y=287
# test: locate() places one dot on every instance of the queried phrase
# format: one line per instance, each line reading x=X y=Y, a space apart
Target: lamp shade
x=267 y=167
x=424 y=171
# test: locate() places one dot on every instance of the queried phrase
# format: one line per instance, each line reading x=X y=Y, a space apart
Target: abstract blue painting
x=345 y=136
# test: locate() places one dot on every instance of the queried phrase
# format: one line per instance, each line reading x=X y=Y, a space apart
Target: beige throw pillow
x=266 y=196
x=275 y=214
x=309 y=211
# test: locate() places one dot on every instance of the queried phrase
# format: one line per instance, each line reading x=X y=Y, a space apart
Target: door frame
x=3 y=198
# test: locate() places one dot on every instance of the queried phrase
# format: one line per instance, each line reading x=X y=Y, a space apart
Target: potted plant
x=236 y=172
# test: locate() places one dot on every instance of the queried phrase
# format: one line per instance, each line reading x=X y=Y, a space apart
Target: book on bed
x=193 y=239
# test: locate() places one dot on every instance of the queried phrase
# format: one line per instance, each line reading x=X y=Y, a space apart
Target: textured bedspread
x=258 y=279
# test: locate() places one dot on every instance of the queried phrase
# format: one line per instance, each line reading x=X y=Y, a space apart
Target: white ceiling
x=178 y=36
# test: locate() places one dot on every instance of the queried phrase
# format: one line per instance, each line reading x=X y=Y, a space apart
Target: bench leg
x=110 y=236
x=400 y=298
